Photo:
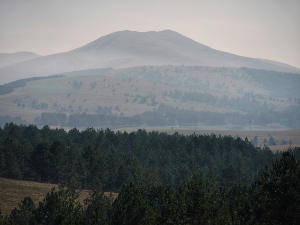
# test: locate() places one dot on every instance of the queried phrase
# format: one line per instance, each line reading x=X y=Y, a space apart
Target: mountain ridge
x=123 y=49
x=7 y=59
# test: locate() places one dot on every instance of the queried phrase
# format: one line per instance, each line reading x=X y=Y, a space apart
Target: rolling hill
x=128 y=49
x=256 y=95
x=7 y=59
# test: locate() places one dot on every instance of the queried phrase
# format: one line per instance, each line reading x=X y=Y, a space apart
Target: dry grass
x=110 y=91
x=107 y=93
x=13 y=191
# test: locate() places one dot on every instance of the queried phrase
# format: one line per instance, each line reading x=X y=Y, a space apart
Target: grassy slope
x=106 y=93
x=111 y=93
x=13 y=191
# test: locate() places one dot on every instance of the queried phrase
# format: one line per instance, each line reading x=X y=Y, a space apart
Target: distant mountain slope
x=282 y=65
x=219 y=79
x=129 y=48
x=11 y=58
x=114 y=96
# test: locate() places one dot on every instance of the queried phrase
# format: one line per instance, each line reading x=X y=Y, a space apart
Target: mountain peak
x=132 y=48
x=143 y=40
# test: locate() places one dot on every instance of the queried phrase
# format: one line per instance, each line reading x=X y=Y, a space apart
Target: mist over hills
x=11 y=58
x=129 y=48
x=281 y=64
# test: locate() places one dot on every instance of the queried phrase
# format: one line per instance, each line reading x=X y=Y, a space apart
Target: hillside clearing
x=13 y=191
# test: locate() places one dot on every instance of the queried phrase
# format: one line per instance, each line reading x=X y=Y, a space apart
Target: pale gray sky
x=267 y=29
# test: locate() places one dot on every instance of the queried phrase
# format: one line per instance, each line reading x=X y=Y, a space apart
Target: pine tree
x=130 y=208
x=277 y=192
x=98 y=207
x=40 y=161
x=25 y=213
x=59 y=207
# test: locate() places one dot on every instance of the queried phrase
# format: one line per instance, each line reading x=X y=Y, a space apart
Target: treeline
x=274 y=198
x=115 y=158
x=167 y=115
x=148 y=74
x=164 y=115
x=8 y=88
x=8 y=119
x=280 y=84
x=88 y=72
x=244 y=104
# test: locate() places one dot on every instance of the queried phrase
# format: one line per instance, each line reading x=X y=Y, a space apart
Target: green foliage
x=270 y=79
x=168 y=115
x=112 y=160
x=272 y=141
x=53 y=118
x=25 y=213
x=277 y=192
x=40 y=161
x=16 y=120
x=95 y=163
x=116 y=158
x=274 y=198
x=59 y=207
x=4 y=220
x=254 y=141
x=131 y=208
x=98 y=207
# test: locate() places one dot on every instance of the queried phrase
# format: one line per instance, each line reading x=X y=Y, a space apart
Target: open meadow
x=13 y=191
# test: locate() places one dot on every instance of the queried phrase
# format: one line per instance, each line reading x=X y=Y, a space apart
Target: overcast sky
x=268 y=29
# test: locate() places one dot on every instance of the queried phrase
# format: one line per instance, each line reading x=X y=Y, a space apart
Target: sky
x=267 y=29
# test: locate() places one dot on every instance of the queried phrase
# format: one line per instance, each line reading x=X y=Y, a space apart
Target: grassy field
x=109 y=91
x=13 y=191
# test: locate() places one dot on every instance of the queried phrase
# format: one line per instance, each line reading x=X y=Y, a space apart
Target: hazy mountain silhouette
x=11 y=58
x=281 y=64
x=129 y=48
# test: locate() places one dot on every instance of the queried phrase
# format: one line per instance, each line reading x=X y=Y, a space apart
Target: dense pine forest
x=161 y=178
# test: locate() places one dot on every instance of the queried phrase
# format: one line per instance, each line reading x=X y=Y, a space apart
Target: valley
x=149 y=112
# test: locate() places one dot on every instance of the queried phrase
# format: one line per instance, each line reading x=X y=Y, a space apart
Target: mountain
x=129 y=48
x=281 y=64
x=7 y=59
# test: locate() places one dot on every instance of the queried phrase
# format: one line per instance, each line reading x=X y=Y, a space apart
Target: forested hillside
x=115 y=158
x=221 y=79
x=272 y=199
